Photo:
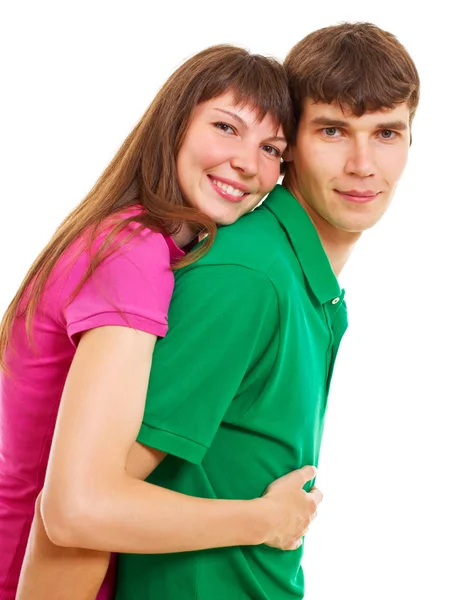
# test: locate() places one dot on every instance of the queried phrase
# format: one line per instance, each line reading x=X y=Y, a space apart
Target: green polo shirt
x=238 y=392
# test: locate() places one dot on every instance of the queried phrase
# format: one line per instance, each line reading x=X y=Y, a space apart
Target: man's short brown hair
x=356 y=65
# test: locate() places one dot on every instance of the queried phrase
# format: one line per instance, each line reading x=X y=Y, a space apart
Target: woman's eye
x=225 y=127
x=272 y=150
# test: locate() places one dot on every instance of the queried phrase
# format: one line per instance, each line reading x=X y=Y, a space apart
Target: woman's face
x=229 y=160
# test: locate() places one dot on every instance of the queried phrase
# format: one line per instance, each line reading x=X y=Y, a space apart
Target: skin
x=93 y=497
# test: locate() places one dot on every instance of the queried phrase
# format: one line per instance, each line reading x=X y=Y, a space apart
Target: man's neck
x=338 y=244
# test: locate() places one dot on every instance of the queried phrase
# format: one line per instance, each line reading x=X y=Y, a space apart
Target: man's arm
x=223 y=319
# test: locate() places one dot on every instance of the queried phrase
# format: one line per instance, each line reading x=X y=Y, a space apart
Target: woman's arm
x=51 y=572
x=89 y=500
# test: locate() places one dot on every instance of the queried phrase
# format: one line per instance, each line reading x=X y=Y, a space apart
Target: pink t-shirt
x=136 y=280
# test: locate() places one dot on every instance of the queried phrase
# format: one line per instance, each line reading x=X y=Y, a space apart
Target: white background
x=76 y=77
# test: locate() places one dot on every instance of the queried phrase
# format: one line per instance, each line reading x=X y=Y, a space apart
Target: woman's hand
x=291 y=507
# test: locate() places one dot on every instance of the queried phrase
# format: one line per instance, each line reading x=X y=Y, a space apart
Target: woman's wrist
x=259 y=521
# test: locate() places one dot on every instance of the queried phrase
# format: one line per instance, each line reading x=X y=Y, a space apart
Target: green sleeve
x=221 y=320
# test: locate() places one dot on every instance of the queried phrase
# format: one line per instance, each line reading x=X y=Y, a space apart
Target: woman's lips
x=225 y=194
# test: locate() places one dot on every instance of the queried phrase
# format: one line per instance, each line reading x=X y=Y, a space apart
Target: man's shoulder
x=254 y=241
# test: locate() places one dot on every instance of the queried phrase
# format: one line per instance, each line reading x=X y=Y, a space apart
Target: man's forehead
x=338 y=112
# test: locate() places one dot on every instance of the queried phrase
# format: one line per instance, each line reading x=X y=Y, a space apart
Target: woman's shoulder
x=125 y=228
x=121 y=237
x=122 y=255
x=120 y=275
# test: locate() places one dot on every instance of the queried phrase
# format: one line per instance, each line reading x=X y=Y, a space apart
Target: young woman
x=77 y=340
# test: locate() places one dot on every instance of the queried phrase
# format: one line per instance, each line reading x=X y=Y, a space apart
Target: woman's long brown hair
x=143 y=172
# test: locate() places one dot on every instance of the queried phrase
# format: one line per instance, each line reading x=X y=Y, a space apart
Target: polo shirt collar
x=306 y=243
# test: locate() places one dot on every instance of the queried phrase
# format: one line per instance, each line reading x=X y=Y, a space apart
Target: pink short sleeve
x=131 y=288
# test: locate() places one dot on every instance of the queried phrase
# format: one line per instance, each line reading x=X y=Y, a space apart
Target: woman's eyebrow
x=276 y=138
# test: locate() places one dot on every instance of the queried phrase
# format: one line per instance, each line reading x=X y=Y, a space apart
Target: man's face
x=344 y=168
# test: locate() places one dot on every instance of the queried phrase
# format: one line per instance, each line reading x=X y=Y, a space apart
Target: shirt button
x=335 y=301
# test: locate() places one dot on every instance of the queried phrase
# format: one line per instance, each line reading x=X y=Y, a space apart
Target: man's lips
x=359 y=196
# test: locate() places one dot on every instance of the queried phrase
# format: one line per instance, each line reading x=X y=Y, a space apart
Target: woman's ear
x=288 y=154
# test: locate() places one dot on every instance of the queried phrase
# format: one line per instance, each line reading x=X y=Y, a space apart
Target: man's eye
x=330 y=131
x=387 y=134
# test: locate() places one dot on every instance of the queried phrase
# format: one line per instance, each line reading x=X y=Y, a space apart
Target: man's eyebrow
x=398 y=125
x=276 y=138
x=329 y=122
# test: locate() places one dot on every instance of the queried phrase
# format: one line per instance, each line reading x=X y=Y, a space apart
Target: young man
x=238 y=388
